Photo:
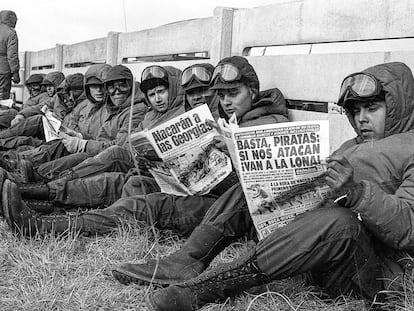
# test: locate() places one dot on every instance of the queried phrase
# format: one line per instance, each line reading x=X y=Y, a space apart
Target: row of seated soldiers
x=87 y=181
x=91 y=168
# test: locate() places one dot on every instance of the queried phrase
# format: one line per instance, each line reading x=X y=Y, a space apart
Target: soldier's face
x=34 y=89
x=369 y=118
x=97 y=92
x=236 y=100
x=199 y=96
x=158 y=98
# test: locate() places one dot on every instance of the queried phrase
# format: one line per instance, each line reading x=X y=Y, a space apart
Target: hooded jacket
x=55 y=78
x=91 y=115
x=9 y=52
x=115 y=128
x=175 y=102
x=385 y=167
x=33 y=101
x=62 y=108
x=213 y=105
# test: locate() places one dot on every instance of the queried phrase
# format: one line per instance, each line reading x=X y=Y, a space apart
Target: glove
x=17 y=119
x=144 y=166
x=74 y=144
x=16 y=77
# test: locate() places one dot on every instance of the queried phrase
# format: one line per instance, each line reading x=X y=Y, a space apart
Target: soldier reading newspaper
x=190 y=163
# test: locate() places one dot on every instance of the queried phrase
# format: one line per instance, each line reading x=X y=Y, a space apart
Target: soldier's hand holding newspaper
x=74 y=144
x=340 y=178
x=219 y=140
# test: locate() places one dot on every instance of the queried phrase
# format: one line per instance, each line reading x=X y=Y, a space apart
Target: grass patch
x=73 y=272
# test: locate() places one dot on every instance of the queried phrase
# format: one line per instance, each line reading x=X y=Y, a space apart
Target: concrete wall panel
x=313 y=21
x=317 y=77
x=87 y=51
x=181 y=37
x=43 y=58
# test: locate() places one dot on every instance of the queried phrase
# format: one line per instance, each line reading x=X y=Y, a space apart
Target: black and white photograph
x=303 y=202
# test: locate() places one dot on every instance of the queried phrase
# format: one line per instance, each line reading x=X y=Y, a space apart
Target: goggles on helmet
x=198 y=73
x=122 y=86
x=362 y=85
x=152 y=72
x=227 y=73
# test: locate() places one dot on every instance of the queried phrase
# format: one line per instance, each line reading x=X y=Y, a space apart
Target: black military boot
x=20 y=169
x=212 y=286
x=23 y=220
x=39 y=191
x=189 y=261
x=8 y=164
x=3 y=178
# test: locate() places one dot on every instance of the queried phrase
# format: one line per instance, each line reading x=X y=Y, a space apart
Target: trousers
x=329 y=244
x=5 y=85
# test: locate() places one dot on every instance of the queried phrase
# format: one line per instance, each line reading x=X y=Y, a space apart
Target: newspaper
x=52 y=126
x=7 y=103
x=190 y=164
x=280 y=167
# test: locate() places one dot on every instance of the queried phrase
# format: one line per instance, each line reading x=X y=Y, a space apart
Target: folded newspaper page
x=51 y=124
x=7 y=103
x=280 y=167
x=191 y=164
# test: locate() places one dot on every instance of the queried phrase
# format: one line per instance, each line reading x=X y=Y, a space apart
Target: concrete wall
x=232 y=31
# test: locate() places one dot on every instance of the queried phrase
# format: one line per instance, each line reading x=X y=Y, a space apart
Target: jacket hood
x=269 y=101
x=397 y=82
x=175 y=100
x=214 y=101
x=118 y=72
x=175 y=92
x=96 y=74
x=72 y=82
x=55 y=78
x=121 y=72
x=8 y=18
x=248 y=75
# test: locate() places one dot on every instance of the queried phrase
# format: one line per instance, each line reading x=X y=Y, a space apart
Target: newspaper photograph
x=280 y=167
x=191 y=162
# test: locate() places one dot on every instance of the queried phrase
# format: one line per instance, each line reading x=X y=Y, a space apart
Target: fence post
x=59 y=57
x=27 y=72
x=221 y=33
x=112 y=48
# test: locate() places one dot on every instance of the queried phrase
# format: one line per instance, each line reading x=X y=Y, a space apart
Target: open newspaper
x=280 y=168
x=52 y=126
x=191 y=164
x=8 y=103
